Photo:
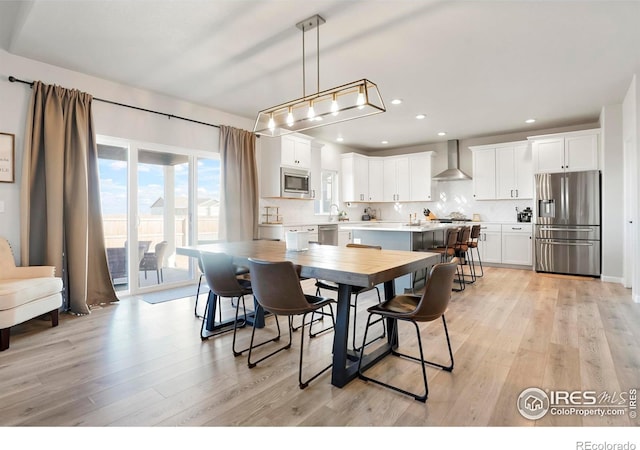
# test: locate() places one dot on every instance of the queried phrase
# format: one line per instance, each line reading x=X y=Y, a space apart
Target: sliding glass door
x=160 y=198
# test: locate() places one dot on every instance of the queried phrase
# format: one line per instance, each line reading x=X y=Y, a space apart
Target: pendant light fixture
x=353 y=100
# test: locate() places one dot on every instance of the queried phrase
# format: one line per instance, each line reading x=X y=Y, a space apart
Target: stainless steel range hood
x=453 y=172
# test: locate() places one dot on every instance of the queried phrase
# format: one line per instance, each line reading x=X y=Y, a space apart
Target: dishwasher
x=328 y=234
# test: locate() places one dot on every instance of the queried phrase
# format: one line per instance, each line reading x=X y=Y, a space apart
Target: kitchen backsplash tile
x=453 y=196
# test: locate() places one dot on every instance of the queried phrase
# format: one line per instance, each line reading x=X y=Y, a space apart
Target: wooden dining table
x=348 y=267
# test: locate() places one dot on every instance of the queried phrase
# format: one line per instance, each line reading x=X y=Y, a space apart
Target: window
x=328 y=192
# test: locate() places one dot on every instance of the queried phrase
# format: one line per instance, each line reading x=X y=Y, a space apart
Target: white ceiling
x=474 y=68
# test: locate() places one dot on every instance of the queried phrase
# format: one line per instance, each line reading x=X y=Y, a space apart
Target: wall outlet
x=357 y=241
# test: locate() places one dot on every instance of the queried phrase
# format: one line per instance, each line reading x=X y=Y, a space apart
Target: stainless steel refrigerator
x=567 y=229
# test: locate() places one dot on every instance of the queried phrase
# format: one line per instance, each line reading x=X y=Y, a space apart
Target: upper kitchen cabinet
x=376 y=173
x=395 y=180
x=295 y=151
x=292 y=150
x=420 y=176
x=484 y=172
x=514 y=171
x=354 y=175
x=566 y=152
x=502 y=171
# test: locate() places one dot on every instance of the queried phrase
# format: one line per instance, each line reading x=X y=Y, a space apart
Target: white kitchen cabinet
x=296 y=151
x=514 y=172
x=376 y=174
x=396 y=179
x=484 y=172
x=271 y=232
x=420 y=176
x=276 y=152
x=502 y=171
x=517 y=244
x=344 y=237
x=566 y=152
x=354 y=175
x=490 y=243
x=279 y=231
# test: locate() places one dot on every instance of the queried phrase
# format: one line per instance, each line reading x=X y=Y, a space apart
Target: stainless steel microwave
x=294 y=183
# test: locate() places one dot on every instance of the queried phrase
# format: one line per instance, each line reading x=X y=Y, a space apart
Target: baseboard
x=607 y=279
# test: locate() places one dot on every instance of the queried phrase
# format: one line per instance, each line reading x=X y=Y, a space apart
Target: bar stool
x=473 y=243
x=462 y=253
x=449 y=251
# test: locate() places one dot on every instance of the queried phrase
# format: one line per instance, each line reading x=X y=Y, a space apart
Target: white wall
x=109 y=120
x=611 y=163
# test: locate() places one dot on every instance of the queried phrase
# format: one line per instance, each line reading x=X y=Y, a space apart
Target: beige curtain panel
x=239 y=185
x=60 y=206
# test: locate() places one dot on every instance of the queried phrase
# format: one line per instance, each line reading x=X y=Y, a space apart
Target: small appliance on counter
x=368 y=214
x=524 y=215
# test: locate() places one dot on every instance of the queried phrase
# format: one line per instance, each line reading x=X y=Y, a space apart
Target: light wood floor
x=136 y=364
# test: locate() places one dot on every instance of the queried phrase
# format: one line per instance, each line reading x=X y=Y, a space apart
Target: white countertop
x=381 y=226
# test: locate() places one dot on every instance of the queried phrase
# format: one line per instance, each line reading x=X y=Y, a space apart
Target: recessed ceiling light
x=384 y=142
x=340 y=139
x=442 y=133
x=530 y=120
x=420 y=116
x=396 y=101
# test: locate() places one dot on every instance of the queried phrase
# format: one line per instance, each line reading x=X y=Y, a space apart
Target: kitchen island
x=399 y=236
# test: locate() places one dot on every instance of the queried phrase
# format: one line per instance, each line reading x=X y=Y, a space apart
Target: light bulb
x=360 y=99
x=272 y=123
x=334 y=106
x=290 y=118
x=311 y=113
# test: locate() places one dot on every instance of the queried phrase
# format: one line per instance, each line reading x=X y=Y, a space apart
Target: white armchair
x=25 y=293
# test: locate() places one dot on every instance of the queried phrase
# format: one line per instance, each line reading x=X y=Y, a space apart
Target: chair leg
x=460 y=280
x=55 y=315
x=421 y=360
x=216 y=306
x=480 y=261
x=4 y=339
x=355 y=309
x=195 y=309
x=304 y=384
x=252 y=364
x=244 y=322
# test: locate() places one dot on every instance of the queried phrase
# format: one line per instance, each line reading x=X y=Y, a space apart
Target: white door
x=505 y=173
x=548 y=155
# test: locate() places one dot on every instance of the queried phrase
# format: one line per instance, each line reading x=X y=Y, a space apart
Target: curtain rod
x=170 y=116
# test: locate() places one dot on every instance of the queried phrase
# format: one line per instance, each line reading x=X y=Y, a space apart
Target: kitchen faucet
x=331 y=211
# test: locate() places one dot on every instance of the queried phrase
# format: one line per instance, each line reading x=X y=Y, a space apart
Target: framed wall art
x=7 y=158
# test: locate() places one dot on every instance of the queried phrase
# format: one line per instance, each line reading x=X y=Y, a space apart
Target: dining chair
x=220 y=274
x=431 y=306
x=355 y=292
x=155 y=261
x=277 y=289
x=473 y=243
x=462 y=253
x=448 y=252
x=239 y=271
